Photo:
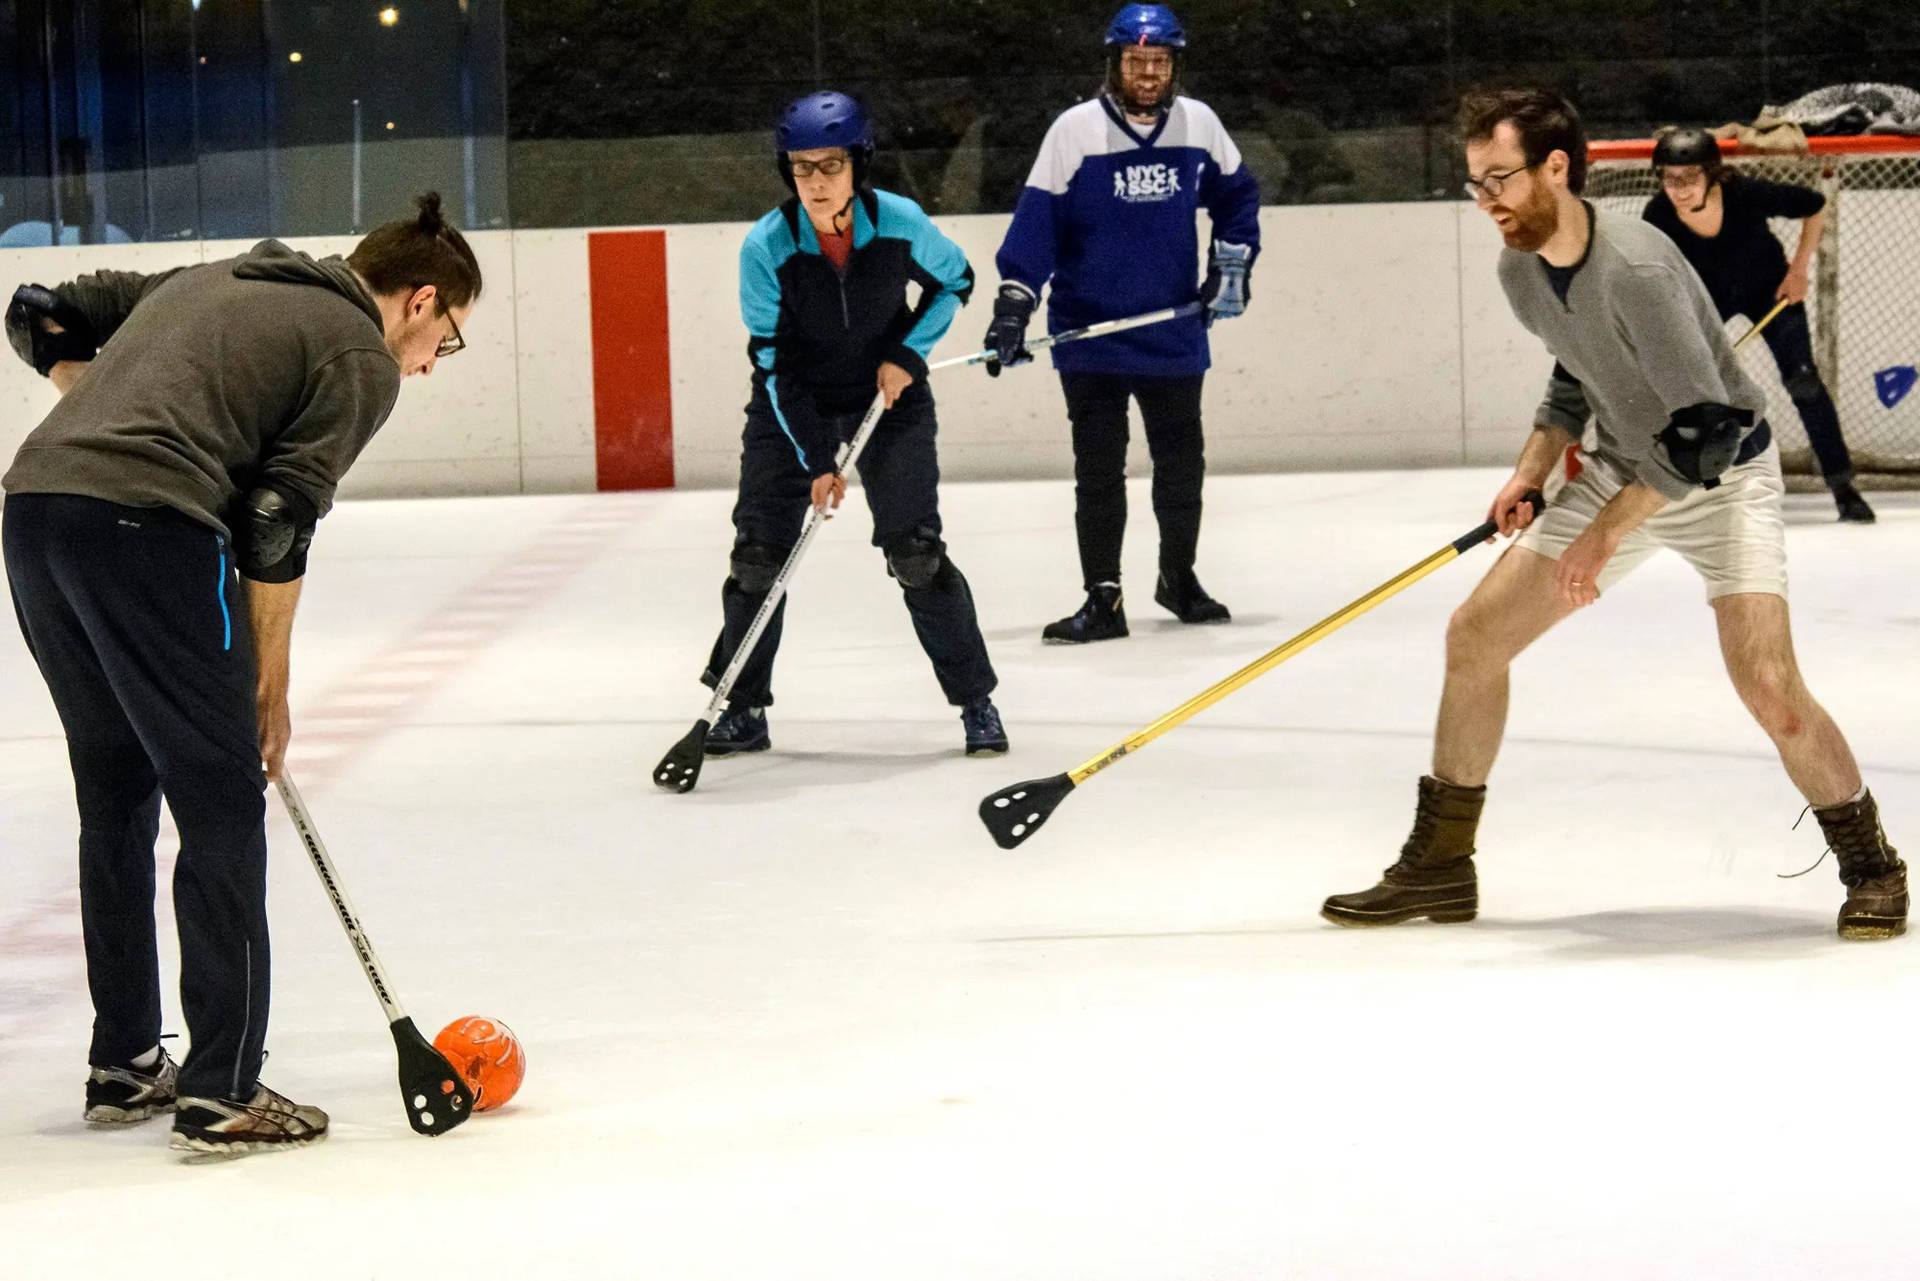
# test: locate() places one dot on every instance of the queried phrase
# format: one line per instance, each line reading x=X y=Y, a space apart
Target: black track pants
x=138 y=626
x=900 y=475
x=1170 y=412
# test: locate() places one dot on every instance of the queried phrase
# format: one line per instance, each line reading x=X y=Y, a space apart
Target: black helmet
x=1688 y=147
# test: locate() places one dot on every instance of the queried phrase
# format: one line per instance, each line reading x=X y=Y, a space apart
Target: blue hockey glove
x=1229 y=282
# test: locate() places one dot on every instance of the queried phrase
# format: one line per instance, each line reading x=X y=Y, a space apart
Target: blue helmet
x=1150 y=24
x=825 y=119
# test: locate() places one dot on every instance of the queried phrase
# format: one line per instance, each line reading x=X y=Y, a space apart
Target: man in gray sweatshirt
x=155 y=533
x=1684 y=461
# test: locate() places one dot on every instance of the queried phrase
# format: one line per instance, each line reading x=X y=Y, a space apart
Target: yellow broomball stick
x=1012 y=814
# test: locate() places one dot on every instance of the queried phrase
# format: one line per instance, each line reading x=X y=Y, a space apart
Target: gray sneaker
x=264 y=1123
x=126 y=1095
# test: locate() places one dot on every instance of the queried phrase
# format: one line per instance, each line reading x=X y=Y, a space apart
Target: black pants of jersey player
x=136 y=620
x=900 y=475
x=1170 y=412
x=1791 y=341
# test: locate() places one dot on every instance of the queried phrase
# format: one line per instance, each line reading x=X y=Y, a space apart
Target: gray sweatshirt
x=212 y=380
x=1636 y=339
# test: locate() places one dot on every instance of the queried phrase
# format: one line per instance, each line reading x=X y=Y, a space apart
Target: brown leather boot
x=1434 y=877
x=1876 y=881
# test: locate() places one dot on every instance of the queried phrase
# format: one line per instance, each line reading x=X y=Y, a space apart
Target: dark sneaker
x=264 y=1123
x=1182 y=596
x=1103 y=617
x=739 y=729
x=125 y=1095
x=1853 y=508
x=986 y=736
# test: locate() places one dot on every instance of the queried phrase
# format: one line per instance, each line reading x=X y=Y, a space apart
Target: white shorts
x=1732 y=534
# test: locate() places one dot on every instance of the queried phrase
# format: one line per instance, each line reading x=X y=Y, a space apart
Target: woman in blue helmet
x=1108 y=217
x=823 y=290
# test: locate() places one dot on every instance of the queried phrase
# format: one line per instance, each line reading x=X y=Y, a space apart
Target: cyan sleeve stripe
x=939 y=258
x=759 y=285
x=933 y=325
x=779 y=416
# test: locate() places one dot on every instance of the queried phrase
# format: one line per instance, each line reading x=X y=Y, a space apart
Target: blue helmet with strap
x=821 y=120
x=1146 y=24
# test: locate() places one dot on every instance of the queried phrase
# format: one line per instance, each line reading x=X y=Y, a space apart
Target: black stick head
x=679 y=769
x=1012 y=814
x=436 y=1098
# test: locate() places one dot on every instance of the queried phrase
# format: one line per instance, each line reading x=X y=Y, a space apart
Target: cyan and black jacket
x=817 y=335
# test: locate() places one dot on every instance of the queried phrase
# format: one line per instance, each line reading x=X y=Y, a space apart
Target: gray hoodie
x=212 y=380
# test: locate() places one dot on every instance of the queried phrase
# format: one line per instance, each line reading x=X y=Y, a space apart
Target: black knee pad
x=1803 y=384
x=754 y=565
x=917 y=560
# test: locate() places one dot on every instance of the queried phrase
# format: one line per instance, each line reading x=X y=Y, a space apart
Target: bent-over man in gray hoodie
x=1684 y=461
x=156 y=531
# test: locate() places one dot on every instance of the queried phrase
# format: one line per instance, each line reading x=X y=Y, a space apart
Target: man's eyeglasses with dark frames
x=452 y=344
x=1494 y=183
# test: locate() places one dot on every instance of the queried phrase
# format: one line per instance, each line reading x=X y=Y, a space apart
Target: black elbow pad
x=273 y=533
x=27 y=335
x=1702 y=441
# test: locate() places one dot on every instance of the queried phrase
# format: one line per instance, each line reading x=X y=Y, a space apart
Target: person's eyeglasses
x=451 y=344
x=1494 y=183
x=832 y=167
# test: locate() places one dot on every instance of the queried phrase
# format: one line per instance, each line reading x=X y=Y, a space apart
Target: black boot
x=1853 y=508
x=1435 y=877
x=1182 y=596
x=1101 y=618
x=1876 y=880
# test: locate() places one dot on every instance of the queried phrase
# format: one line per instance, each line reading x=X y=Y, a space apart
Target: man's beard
x=1139 y=105
x=1534 y=222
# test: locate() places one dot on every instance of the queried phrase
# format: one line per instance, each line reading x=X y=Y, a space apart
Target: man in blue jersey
x=823 y=284
x=1108 y=216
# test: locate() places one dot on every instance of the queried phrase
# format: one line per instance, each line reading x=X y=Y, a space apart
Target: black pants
x=900 y=474
x=136 y=621
x=1170 y=411
x=1791 y=341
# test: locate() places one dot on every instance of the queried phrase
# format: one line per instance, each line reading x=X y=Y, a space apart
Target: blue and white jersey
x=1108 y=215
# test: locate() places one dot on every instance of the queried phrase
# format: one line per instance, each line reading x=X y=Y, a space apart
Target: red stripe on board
x=632 y=380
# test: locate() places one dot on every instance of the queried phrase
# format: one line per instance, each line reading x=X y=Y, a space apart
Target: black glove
x=31 y=306
x=1007 y=335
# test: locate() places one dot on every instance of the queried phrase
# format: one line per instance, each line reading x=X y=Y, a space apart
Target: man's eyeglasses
x=1494 y=183
x=451 y=344
x=832 y=167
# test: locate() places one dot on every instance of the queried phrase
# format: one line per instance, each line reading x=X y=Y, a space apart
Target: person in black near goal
x=1718 y=218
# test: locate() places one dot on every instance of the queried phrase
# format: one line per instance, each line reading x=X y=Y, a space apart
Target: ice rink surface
x=808 y=1022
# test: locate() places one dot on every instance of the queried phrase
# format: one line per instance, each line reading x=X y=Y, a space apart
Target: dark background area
x=165 y=119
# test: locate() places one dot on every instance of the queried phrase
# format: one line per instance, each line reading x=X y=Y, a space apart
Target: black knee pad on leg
x=917 y=560
x=754 y=565
x=1803 y=384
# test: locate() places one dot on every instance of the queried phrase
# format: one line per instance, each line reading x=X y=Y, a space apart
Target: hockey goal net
x=1864 y=304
